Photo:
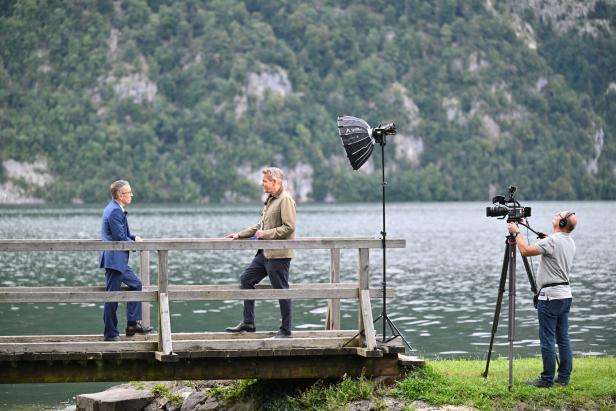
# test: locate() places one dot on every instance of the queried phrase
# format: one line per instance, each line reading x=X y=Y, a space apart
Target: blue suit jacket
x=115 y=228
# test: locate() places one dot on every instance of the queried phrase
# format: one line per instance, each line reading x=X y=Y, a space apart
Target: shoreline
x=453 y=385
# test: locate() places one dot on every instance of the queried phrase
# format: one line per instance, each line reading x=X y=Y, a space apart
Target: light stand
x=358 y=139
x=380 y=137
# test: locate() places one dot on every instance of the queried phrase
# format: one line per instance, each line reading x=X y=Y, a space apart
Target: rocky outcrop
x=268 y=81
x=298 y=182
x=563 y=15
x=409 y=148
x=165 y=395
x=21 y=179
x=205 y=395
x=598 y=141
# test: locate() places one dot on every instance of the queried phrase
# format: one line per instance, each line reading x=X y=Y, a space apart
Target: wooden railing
x=163 y=292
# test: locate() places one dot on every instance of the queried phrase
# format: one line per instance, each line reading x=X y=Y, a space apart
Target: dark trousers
x=278 y=272
x=114 y=280
x=554 y=328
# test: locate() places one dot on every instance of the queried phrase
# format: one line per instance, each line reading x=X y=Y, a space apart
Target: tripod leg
x=512 y=291
x=529 y=274
x=499 y=300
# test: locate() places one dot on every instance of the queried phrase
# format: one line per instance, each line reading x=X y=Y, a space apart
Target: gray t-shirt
x=557 y=251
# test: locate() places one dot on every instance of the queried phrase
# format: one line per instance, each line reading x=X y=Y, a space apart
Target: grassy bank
x=593 y=385
x=459 y=382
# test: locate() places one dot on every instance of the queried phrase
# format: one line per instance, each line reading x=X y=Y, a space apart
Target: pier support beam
x=150 y=369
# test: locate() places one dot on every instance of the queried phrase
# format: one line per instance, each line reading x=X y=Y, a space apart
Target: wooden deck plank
x=178 y=345
x=259 y=344
x=153 y=337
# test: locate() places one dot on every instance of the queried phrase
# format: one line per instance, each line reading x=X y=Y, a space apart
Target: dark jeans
x=278 y=272
x=114 y=280
x=554 y=328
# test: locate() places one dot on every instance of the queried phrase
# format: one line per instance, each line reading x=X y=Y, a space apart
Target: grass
x=161 y=390
x=233 y=392
x=333 y=397
x=459 y=382
x=455 y=382
x=451 y=382
x=138 y=385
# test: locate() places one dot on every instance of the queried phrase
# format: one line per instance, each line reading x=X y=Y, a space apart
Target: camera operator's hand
x=513 y=228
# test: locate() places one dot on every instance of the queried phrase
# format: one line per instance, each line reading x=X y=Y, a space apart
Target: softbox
x=356 y=136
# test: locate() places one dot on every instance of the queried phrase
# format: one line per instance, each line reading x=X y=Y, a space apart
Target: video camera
x=508 y=207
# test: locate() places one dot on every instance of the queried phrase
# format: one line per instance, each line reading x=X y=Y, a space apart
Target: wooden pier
x=165 y=355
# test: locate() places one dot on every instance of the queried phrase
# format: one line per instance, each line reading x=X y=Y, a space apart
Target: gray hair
x=274 y=173
x=116 y=186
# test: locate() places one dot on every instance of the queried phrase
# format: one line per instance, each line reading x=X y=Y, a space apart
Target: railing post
x=364 y=309
x=164 y=322
x=144 y=273
x=333 y=306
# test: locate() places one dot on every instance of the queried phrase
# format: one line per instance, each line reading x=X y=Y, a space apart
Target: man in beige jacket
x=277 y=223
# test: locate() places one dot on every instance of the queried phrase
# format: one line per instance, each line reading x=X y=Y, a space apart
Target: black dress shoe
x=539 y=383
x=137 y=329
x=116 y=338
x=241 y=327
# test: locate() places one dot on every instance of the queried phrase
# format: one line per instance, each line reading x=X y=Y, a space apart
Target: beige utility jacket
x=277 y=223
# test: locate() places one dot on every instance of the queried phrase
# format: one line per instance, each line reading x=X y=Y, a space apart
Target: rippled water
x=446 y=279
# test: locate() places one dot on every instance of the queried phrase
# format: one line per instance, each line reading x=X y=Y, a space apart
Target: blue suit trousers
x=114 y=280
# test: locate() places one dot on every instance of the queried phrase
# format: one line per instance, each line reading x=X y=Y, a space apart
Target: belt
x=554 y=285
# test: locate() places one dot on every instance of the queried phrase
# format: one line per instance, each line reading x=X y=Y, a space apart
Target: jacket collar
x=118 y=204
x=278 y=193
x=274 y=195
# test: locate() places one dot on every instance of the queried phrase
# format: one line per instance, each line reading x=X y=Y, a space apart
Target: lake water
x=446 y=279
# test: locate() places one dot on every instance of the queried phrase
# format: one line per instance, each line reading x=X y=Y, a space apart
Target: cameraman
x=557 y=251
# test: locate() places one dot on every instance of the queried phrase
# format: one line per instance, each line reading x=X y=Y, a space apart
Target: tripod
x=380 y=138
x=508 y=267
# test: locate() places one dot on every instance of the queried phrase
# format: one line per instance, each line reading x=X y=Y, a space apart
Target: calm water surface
x=446 y=279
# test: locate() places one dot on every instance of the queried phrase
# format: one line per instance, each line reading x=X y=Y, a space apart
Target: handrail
x=177 y=244
x=16 y=295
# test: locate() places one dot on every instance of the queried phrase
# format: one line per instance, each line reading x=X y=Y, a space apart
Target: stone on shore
x=115 y=399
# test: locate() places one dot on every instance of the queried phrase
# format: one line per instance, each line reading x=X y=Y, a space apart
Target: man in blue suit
x=115 y=263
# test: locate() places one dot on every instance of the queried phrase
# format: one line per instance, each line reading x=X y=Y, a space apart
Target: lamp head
x=379 y=132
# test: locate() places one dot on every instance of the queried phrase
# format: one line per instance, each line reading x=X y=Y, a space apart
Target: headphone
x=564 y=221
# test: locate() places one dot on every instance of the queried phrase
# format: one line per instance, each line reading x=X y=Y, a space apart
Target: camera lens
x=496 y=211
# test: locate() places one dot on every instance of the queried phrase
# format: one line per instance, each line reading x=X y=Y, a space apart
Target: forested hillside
x=189 y=99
